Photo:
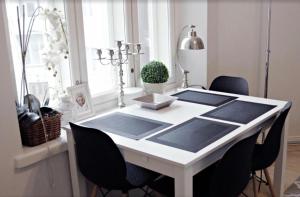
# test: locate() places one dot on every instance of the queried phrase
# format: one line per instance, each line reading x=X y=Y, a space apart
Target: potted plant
x=154 y=75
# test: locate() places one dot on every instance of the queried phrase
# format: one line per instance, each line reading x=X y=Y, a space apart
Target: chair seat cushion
x=138 y=176
x=165 y=185
x=259 y=161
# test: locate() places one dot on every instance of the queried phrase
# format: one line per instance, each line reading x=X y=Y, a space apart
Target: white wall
x=234 y=40
x=237 y=42
x=285 y=59
x=32 y=180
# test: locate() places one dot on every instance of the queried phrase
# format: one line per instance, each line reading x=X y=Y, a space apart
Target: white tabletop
x=177 y=113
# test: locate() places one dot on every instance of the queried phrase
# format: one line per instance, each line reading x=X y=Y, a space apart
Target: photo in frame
x=81 y=99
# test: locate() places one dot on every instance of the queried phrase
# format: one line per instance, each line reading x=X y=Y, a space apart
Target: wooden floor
x=292 y=171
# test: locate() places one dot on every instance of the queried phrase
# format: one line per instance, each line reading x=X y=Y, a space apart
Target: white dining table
x=180 y=164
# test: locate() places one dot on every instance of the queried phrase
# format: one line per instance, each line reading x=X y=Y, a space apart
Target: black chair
x=229 y=84
x=102 y=163
x=227 y=177
x=265 y=154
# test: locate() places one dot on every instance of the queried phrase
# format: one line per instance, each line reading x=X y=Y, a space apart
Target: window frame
x=172 y=81
x=36 y=31
x=79 y=74
x=77 y=57
x=79 y=71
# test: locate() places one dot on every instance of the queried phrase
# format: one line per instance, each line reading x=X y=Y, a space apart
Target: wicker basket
x=34 y=134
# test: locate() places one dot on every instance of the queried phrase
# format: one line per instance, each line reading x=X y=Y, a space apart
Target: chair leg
x=260 y=179
x=94 y=191
x=125 y=194
x=269 y=183
x=147 y=193
x=254 y=186
x=243 y=194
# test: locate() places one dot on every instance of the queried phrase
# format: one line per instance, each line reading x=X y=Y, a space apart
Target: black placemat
x=194 y=134
x=239 y=111
x=126 y=125
x=203 y=98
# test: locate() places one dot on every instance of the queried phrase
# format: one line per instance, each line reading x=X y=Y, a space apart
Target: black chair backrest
x=229 y=84
x=98 y=157
x=232 y=173
x=271 y=145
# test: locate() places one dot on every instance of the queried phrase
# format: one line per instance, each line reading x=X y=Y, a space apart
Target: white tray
x=155 y=101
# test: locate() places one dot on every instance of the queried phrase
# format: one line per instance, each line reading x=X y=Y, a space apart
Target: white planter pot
x=154 y=88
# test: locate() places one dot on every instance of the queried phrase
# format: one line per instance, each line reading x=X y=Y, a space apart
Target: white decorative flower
x=56 y=46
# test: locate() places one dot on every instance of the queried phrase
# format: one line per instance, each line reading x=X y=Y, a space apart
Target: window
x=41 y=80
x=95 y=24
x=103 y=23
x=155 y=27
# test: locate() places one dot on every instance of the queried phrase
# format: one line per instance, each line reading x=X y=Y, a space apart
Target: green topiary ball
x=155 y=72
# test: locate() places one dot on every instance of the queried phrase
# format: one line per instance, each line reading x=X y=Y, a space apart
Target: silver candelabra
x=122 y=52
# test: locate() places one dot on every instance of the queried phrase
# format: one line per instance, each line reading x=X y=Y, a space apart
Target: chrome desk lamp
x=190 y=42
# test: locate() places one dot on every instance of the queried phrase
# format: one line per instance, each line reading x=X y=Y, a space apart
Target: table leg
x=78 y=181
x=184 y=182
x=280 y=165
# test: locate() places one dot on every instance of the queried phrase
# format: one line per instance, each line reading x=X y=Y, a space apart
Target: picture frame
x=81 y=99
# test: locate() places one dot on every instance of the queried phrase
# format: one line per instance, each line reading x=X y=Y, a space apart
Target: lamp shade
x=191 y=42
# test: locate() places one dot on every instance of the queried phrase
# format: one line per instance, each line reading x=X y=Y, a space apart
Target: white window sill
x=31 y=155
